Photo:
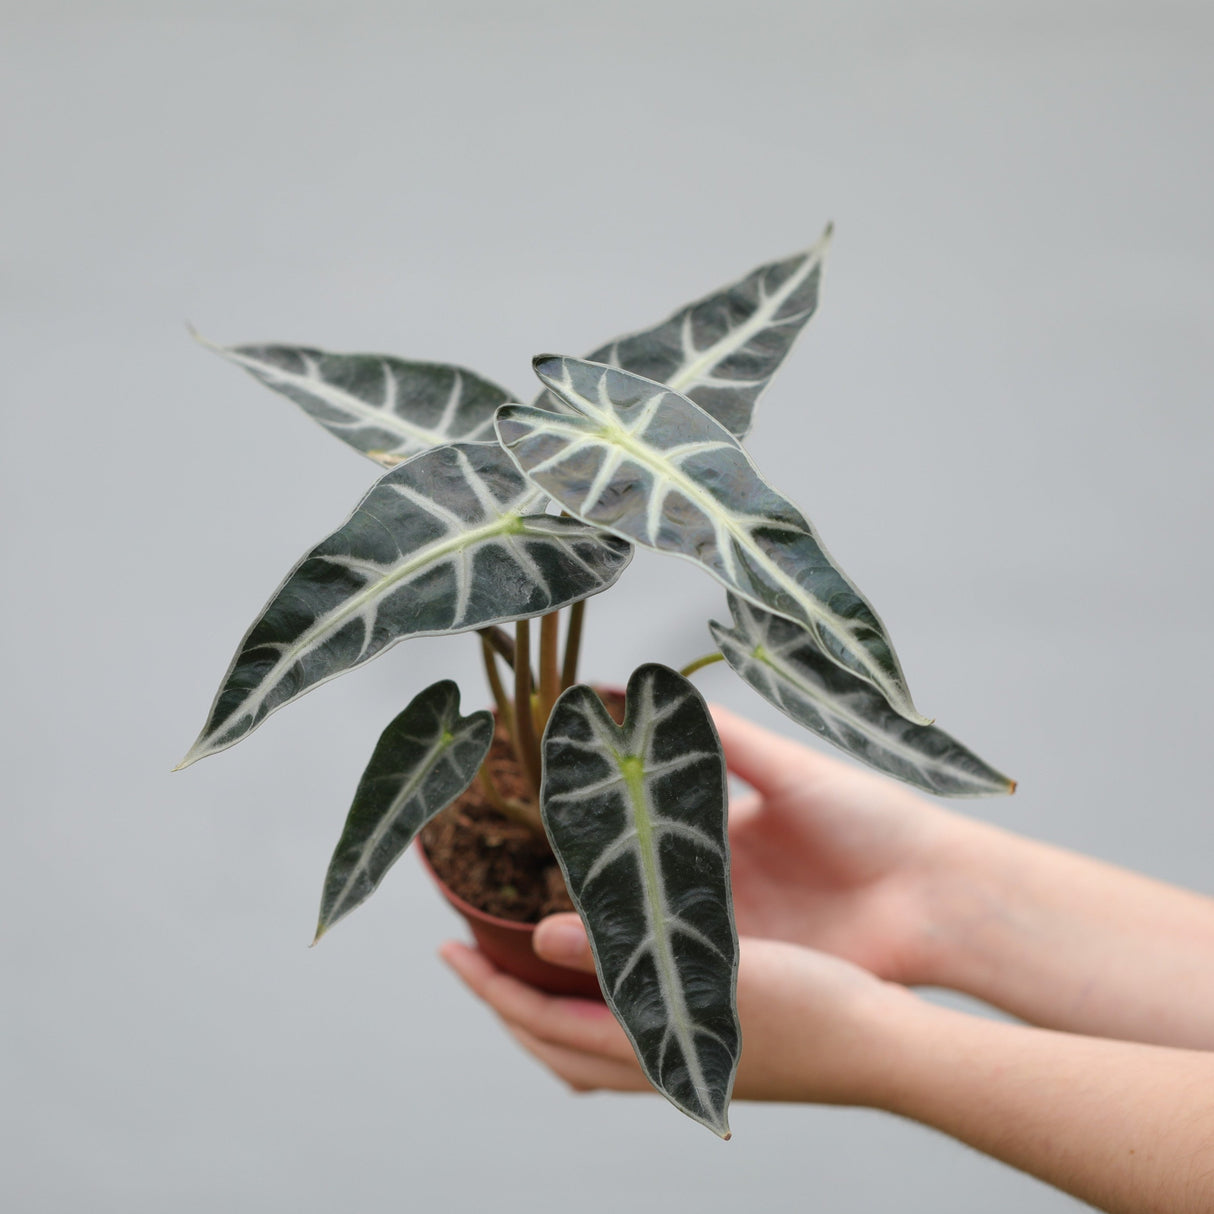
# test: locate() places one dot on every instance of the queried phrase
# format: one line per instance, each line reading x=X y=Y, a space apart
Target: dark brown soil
x=486 y=859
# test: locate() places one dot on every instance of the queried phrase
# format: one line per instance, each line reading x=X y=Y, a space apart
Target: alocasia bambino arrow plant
x=493 y=513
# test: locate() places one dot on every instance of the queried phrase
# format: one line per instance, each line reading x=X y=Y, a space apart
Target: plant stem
x=700 y=663
x=516 y=811
x=505 y=712
x=490 y=790
x=499 y=638
x=550 y=670
x=526 y=743
x=573 y=644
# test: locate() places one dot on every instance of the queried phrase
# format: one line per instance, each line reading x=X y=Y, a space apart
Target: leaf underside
x=636 y=816
x=423 y=760
x=647 y=464
x=452 y=539
x=384 y=407
x=722 y=350
x=781 y=662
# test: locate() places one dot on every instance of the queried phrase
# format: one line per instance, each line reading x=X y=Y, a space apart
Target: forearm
x=1067 y=942
x=1126 y=1127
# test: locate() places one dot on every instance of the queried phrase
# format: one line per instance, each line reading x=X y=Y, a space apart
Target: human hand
x=815 y=1028
x=1119 y=1125
x=829 y=856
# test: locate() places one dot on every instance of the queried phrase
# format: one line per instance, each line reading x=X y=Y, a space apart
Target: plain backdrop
x=999 y=421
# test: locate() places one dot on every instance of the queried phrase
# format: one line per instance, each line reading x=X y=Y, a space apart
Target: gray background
x=999 y=421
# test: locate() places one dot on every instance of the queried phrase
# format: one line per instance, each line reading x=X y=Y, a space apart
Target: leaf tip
x=196 y=752
x=546 y=366
x=321 y=928
x=906 y=710
x=1012 y=785
x=203 y=341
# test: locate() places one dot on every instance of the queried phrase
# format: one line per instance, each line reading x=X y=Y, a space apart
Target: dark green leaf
x=781 y=662
x=647 y=464
x=387 y=408
x=452 y=539
x=636 y=815
x=721 y=351
x=425 y=758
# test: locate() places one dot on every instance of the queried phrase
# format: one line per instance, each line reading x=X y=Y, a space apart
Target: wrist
x=929 y=1057
x=923 y=898
x=956 y=893
x=816 y=1028
x=891 y=1026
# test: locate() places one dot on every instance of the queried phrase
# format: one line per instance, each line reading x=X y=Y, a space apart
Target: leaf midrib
x=655 y=893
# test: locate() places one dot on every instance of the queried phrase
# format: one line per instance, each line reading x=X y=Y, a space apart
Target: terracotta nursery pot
x=508 y=945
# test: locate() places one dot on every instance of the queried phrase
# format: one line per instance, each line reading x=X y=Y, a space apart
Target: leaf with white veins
x=636 y=816
x=452 y=539
x=781 y=662
x=647 y=464
x=722 y=350
x=425 y=758
x=386 y=408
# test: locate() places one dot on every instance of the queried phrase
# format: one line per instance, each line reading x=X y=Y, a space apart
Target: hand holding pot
x=1123 y=1126
x=816 y=1028
x=827 y=855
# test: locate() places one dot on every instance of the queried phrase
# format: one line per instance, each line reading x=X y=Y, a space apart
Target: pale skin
x=848 y=890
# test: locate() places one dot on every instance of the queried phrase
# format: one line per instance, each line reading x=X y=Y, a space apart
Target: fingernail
x=560 y=941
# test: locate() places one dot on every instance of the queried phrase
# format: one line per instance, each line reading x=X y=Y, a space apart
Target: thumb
x=561 y=940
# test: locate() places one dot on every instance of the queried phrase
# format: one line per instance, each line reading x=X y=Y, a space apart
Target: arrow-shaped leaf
x=721 y=351
x=647 y=464
x=636 y=816
x=781 y=662
x=425 y=758
x=450 y=540
x=387 y=408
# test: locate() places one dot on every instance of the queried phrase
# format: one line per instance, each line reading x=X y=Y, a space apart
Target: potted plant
x=496 y=513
